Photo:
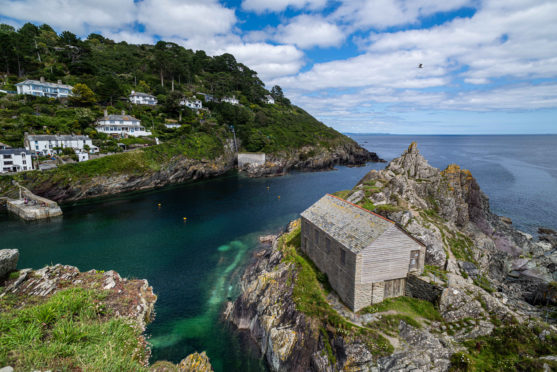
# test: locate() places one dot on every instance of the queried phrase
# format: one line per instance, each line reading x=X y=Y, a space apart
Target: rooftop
x=15 y=151
x=53 y=85
x=119 y=117
x=352 y=226
x=51 y=137
x=141 y=94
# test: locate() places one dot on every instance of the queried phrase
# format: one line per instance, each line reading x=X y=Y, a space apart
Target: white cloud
x=261 y=6
x=268 y=60
x=80 y=17
x=194 y=18
x=130 y=37
x=385 y=13
x=308 y=31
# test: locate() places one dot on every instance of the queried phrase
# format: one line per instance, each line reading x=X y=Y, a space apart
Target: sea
x=192 y=241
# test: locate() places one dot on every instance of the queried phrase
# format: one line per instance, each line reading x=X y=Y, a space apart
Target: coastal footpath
x=486 y=299
x=59 y=318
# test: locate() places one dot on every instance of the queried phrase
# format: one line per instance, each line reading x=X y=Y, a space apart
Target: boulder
x=8 y=261
x=195 y=363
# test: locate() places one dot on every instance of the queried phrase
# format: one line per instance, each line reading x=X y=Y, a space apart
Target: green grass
x=437 y=271
x=512 y=347
x=309 y=294
x=69 y=331
x=482 y=282
x=343 y=194
x=412 y=307
x=389 y=323
x=462 y=248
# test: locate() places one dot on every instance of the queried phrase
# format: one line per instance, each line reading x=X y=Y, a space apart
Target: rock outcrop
x=8 y=261
x=311 y=158
x=485 y=273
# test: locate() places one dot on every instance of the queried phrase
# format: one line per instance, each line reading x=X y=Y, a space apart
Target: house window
x=414 y=260
x=342 y=256
x=328 y=245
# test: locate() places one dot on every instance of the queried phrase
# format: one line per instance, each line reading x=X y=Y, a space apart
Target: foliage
x=82 y=95
x=511 y=347
x=69 y=331
x=412 y=307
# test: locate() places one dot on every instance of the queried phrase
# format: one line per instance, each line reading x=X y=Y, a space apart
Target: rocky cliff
x=490 y=288
x=59 y=305
x=68 y=186
x=312 y=158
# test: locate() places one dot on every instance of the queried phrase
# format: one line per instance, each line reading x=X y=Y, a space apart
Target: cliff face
x=312 y=158
x=480 y=286
x=181 y=169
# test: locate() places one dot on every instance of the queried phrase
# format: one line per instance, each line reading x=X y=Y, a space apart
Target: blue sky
x=489 y=67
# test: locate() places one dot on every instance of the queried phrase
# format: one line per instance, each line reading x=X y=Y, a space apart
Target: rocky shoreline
x=182 y=169
x=131 y=299
x=493 y=283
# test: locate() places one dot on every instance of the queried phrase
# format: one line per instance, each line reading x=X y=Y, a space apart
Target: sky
x=489 y=66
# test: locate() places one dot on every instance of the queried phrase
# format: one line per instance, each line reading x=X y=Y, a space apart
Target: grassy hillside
x=104 y=73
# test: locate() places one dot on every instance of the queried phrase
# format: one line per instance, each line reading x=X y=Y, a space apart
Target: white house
x=82 y=155
x=207 y=97
x=172 y=125
x=192 y=103
x=139 y=98
x=45 y=144
x=269 y=99
x=15 y=160
x=44 y=89
x=121 y=126
x=232 y=100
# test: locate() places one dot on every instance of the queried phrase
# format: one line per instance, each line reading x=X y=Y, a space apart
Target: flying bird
x=421 y=65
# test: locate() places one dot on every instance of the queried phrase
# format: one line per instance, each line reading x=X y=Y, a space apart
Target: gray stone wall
x=418 y=288
x=250 y=158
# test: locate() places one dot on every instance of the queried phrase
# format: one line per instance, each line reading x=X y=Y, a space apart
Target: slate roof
x=352 y=226
x=51 y=137
x=141 y=94
x=52 y=85
x=15 y=152
x=119 y=117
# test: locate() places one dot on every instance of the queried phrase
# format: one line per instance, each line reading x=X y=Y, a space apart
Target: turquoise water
x=193 y=264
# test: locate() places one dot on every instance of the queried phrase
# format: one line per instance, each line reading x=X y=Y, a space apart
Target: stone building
x=365 y=256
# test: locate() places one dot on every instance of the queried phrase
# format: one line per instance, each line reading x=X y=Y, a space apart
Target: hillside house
x=44 y=89
x=139 y=98
x=269 y=99
x=121 y=126
x=15 y=160
x=207 y=97
x=46 y=145
x=192 y=103
x=232 y=100
x=365 y=256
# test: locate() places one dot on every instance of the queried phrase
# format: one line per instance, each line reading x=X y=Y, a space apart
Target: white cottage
x=121 y=126
x=192 y=103
x=45 y=144
x=139 y=98
x=269 y=99
x=232 y=100
x=15 y=160
x=44 y=89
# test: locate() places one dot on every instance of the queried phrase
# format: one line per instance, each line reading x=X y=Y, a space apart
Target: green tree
x=83 y=95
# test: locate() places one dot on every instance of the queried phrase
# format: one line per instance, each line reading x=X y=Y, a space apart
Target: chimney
x=42 y=79
x=105 y=113
x=133 y=91
x=123 y=112
x=59 y=81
